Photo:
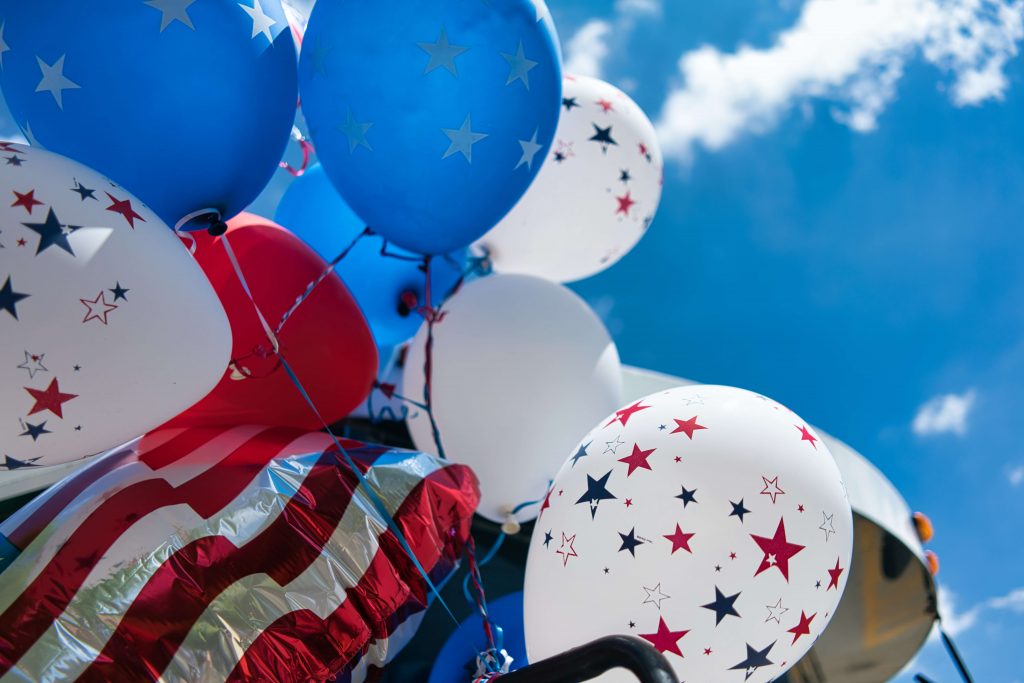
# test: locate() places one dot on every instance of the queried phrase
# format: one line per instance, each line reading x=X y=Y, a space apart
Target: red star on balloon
x=124 y=207
x=626 y=413
x=545 y=505
x=806 y=435
x=777 y=550
x=565 y=552
x=605 y=105
x=687 y=427
x=665 y=640
x=803 y=628
x=6 y=147
x=27 y=200
x=626 y=202
x=680 y=540
x=833 y=576
x=99 y=309
x=51 y=399
x=637 y=459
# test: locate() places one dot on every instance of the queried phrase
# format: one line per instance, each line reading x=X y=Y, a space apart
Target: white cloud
x=851 y=52
x=588 y=49
x=1016 y=475
x=945 y=414
x=956 y=622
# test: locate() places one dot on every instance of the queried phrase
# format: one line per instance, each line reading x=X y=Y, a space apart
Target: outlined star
x=664 y=639
x=803 y=628
x=566 y=550
x=738 y=510
x=629 y=541
x=581 y=452
x=626 y=413
x=548 y=538
x=54 y=81
x=442 y=53
x=775 y=612
x=9 y=298
x=754 y=661
x=806 y=435
x=98 y=308
x=772 y=484
x=83 y=191
x=569 y=103
x=596 y=492
x=462 y=139
x=826 y=525
x=261 y=23
x=51 y=233
x=355 y=132
x=51 y=398
x=613 y=446
x=33 y=364
x=637 y=459
x=777 y=550
x=626 y=202
x=124 y=207
x=519 y=66
x=35 y=431
x=530 y=148
x=680 y=540
x=603 y=136
x=26 y=200
x=171 y=11
x=687 y=427
x=723 y=606
x=695 y=400
x=833 y=576
x=654 y=596
x=119 y=292
x=687 y=496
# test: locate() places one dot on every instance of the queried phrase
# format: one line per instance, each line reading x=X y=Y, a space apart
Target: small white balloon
x=710 y=521
x=108 y=327
x=521 y=368
x=594 y=197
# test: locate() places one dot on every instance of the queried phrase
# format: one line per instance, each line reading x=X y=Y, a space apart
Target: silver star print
x=54 y=81
x=775 y=612
x=530 y=149
x=613 y=446
x=462 y=139
x=4 y=47
x=356 y=132
x=519 y=65
x=33 y=364
x=654 y=596
x=826 y=525
x=261 y=23
x=318 y=58
x=442 y=53
x=171 y=11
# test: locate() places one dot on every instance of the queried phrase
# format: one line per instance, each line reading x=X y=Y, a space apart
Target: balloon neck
x=217 y=229
x=511 y=525
x=408 y=301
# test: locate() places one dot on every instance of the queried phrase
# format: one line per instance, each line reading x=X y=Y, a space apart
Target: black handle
x=589 y=661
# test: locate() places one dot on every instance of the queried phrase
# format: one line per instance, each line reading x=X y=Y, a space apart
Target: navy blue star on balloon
x=687 y=496
x=630 y=542
x=548 y=538
x=722 y=606
x=738 y=510
x=603 y=136
x=597 y=490
x=119 y=292
x=51 y=233
x=14 y=464
x=581 y=453
x=9 y=298
x=83 y=191
x=754 y=661
x=35 y=431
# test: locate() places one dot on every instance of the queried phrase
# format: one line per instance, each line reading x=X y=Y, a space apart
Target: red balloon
x=326 y=341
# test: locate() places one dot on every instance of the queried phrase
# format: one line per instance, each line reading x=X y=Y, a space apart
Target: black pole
x=589 y=661
x=954 y=654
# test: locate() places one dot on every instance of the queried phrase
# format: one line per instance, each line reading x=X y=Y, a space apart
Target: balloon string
x=371 y=493
x=307 y=150
x=320 y=278
x=432 y=316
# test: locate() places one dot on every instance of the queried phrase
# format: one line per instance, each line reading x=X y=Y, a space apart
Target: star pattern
x=738 y=510
x=530 y=148
x=14 y=464
x=687 y=427
x=355 y=132
x=124 y=207
x=827 y=525
x=637 y=459
x=462 y=139
x=833 y=576
x=623 y=415
x=548 y=538
x=442 y=54
x=9 y=298
x=35 y=431
x=519 y=66
x=566 y=550
x=775 y=612
x=26 y=200
x=119 y=292
x=33 y=364
x=613 y=446
x=771 y=488
x=98 y=308
x=664 y=639
x=723 y=606
x=680 y=540
x=51 y=233
x=805 y=435
x=626 y=202
x=777 y=550
x=755 y=660
x=51 y=399
x=581 y=452
x=4 y=47
x=569 y=103
x=603 y=136
x=54 y=81
x=654 y=596
x=596 y=492
x=630 y=542
x=803 y=628
x=261 y=23
x=171 y=11
x=687 y=496
x=83 y=191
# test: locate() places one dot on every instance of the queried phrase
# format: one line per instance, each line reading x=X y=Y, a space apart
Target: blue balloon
x=312 y=209
x=451 y=665
x=188 y=105
x=431 y=117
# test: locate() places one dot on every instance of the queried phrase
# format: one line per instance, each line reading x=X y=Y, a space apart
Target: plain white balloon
x=711 y=521
x=108 y=327
x=594 y=197
x=521 y=368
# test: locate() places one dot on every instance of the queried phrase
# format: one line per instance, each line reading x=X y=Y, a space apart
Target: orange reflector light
x=925 y=530
x=933 y=562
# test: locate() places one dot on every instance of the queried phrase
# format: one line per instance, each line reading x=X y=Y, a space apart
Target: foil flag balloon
x=240 y=554
x=107 y=326
x=710 y=521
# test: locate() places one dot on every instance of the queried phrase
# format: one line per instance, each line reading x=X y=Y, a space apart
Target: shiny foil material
x=240 y=554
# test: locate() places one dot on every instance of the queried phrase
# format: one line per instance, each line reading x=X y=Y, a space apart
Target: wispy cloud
x=956 y=622
x=588 y=49
x=1016 y=475
x=850 y=52
x=945 y=414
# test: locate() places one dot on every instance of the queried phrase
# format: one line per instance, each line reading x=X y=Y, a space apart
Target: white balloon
x=521 y=368
x=595 y=195
x=108 y=327
x=710 y=521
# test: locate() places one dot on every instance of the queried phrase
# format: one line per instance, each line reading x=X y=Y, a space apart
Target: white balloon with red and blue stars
x=108 y=327
x=710 y=521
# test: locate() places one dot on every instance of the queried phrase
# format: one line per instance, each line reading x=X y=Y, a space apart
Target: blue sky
x=841 y=230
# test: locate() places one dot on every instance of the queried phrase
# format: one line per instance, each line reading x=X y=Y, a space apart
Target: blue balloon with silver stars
x=431 y=117
x=188 y=104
